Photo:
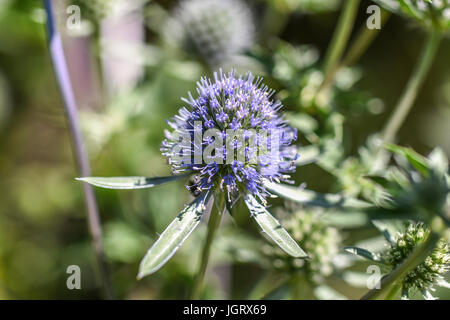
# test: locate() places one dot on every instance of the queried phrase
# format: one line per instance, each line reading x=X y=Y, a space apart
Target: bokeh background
x=124 y=94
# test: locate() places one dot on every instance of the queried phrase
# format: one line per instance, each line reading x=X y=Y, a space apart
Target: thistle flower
x=258 y=150
x=238 y=111
x=427 y=274
x=213 y=30
x=433 y=14
x=321 y=241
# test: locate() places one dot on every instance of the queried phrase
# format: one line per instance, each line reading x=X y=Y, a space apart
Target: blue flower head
x=231 y=136
x=232 y=141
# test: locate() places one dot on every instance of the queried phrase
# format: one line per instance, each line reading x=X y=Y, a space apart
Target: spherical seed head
x=428 y=273
x=231 y=136
x=321 y=241
x=214 y=30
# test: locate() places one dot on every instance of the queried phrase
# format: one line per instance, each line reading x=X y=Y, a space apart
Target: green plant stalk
x=300 y=287
x=274 y=21
x=396 y=276
x=341 y=35
x=213 y=223
x=267 y=283
x=412 y=88
x=391 y=294
x=358 y=47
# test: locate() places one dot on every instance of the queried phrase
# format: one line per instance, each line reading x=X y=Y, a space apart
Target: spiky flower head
x=231 y=136
x=428 y=273
x=213 y=30
x=321 y=241
x=433 y=14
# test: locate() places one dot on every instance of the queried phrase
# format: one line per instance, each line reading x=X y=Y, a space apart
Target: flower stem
x=81 y=157
x=363 y=40
x=341 y=35
x=412 y=88
x=412 y=261
x=391 y=294
x=213 y=224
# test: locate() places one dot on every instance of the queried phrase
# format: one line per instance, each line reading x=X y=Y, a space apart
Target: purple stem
x=79 y=150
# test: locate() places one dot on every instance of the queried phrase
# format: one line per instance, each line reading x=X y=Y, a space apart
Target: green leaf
x=380 y=180
x=311 y=198
x=128 y=182
x=307 y=155
x=273 y=229
x=173 y=237
x=389 y=228
x=363 y=253
x=416 y=160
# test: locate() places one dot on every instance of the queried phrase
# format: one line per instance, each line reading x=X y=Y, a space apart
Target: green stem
x=391 y=294
x=412 y=88
x=341 y=35
x=275 y=20
x=411 y=262
x=213 y=224
x=363 y=40
x=300 y=287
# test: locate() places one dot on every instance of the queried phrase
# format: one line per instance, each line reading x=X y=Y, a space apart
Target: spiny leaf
x=311 y=198
x=128 y=182
x=273 y=229
x=173 y=237
x=363 y=253
x=389 y=228
x=307 y=155
x=416 y=160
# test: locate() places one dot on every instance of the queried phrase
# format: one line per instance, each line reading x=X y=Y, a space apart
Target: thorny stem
x=80 y=154
x=412 y=261
x=213 y=223
x=341 y=35
x=412 y=88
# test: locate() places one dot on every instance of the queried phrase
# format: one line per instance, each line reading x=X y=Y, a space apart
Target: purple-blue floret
x=232 y=103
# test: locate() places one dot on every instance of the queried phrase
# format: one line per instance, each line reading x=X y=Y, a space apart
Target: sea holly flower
x=424 y=276
x=263 y=141
x=212 y=30
x=433 y=14
x=223 y=164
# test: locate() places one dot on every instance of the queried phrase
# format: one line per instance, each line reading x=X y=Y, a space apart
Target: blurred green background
x=42 y=215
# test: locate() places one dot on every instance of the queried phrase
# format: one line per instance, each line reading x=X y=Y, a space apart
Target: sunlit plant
x=423 y=277
x=232 y=118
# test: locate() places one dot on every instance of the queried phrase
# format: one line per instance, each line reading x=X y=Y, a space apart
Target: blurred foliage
x=42 y=215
